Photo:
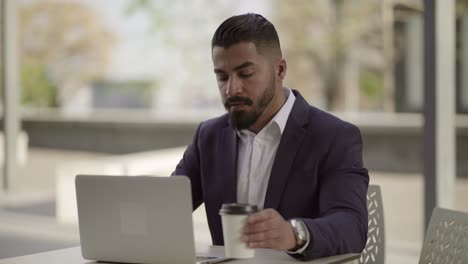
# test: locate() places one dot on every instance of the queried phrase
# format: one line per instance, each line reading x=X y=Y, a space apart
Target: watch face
x=299 y=230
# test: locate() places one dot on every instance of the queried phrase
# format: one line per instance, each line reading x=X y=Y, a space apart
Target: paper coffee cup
x=234 y=217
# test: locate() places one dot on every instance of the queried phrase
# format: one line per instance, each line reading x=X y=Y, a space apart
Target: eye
x=222 y=77
x=245 y=75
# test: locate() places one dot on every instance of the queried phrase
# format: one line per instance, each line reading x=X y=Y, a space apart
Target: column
x=10 y=93
x=439 y=106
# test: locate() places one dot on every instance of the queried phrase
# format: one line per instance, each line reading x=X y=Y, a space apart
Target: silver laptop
x=137 y=219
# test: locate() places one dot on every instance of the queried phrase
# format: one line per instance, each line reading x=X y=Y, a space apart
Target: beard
x=244 y=119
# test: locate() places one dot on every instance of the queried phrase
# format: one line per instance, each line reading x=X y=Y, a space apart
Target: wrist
x=300 y=234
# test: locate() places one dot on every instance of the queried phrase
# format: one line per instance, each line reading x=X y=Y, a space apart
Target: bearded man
x=300 y=165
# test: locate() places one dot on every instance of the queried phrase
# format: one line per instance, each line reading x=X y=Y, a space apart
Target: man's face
x=246 y=81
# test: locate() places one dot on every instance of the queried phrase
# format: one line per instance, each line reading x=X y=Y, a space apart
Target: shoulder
x=214 y=124
x=319 y=122
x=322 y=119
x=212 y=127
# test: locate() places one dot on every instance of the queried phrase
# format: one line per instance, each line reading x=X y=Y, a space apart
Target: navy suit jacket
x=317 y=175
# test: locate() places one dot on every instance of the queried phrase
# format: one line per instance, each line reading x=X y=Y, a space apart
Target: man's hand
x=268 y=229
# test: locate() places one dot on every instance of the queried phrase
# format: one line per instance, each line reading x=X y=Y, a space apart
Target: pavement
x=28 y=224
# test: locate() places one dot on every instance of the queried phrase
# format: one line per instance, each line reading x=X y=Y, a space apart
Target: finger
x=259 y=227
x=259 y=216
x=264 y=236
x=272 y=243
x=245 y=239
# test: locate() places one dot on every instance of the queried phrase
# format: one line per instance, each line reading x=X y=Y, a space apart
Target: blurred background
x=118 y=87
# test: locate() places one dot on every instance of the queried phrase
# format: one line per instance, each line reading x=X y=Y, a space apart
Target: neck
x=270 y=111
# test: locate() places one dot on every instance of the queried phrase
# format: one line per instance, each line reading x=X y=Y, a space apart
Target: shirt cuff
x=303 y=248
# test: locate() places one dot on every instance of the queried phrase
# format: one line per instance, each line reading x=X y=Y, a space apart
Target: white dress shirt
x=256 y=154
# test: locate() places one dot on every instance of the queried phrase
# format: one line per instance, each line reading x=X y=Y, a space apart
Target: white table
x=73 y=256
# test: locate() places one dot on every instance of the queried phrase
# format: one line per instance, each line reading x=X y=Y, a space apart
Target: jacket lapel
x=291 y=139
x=229 y=165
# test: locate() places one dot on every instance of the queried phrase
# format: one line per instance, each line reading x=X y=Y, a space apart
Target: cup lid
x=237 y=208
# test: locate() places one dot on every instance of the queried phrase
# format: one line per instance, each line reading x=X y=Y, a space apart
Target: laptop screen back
x=135 y=219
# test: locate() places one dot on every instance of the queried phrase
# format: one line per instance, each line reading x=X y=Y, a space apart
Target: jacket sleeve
x=189 y=166
x=342 y=223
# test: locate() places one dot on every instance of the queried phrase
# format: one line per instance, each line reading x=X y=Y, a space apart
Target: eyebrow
x=243 y=65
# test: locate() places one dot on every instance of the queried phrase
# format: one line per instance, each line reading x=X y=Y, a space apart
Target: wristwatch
x=300 y=231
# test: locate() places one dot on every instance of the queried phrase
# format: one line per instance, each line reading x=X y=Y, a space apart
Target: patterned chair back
x=446 y=239
x=374 y=252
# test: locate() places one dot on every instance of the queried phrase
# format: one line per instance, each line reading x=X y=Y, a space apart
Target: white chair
x=446 y=239
x=374 y=251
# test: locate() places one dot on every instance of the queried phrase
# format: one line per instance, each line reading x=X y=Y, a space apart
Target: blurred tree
x=37 y=89
x=64 y=46
x=460 y=7
x=168 y=17
x=184 y=29
x=319 y=38
x=371 y=83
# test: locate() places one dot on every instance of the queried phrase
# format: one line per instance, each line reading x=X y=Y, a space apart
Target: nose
x=233 y=87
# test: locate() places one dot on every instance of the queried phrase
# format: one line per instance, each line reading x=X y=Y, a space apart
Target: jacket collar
x=291 y=139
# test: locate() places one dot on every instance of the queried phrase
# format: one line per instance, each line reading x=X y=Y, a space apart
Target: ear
x=281 y=68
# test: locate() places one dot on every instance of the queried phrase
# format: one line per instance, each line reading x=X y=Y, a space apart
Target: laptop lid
x=136 y=219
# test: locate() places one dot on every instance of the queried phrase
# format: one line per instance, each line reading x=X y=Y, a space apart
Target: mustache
x=237 y=99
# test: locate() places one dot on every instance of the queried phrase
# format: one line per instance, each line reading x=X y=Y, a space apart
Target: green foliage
x=371 y=84
x=64 y=45
x=36 y=89
x=135 y=5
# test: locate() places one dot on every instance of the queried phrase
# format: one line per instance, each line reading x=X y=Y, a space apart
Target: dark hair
x=248 y=28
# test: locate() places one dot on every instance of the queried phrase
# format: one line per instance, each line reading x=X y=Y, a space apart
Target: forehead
x=235 y=55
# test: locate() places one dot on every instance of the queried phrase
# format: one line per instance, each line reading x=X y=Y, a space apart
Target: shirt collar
x=280 y=118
